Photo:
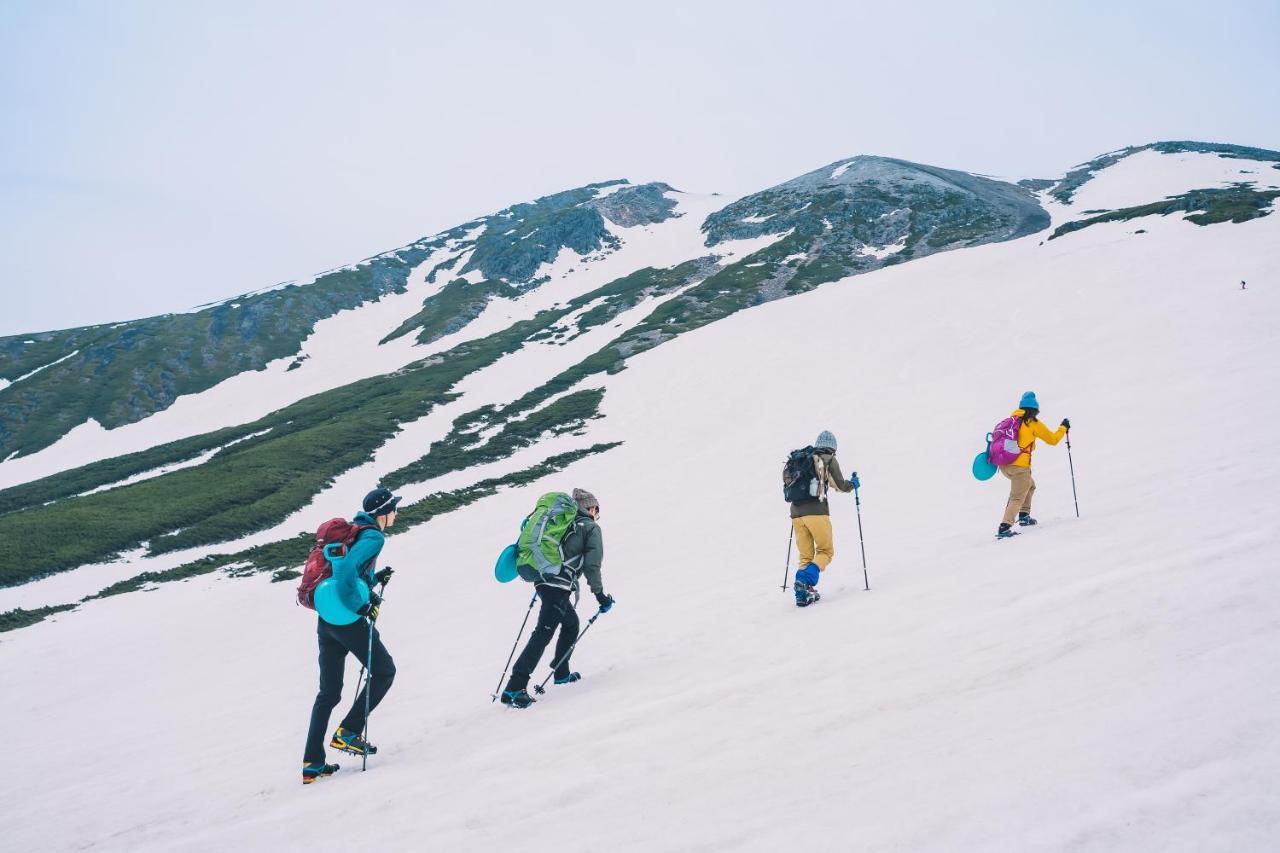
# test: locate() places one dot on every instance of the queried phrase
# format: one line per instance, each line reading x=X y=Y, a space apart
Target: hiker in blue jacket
x=352 y=574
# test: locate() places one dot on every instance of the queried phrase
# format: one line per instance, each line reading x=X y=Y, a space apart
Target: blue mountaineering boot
x=568 y=679
x=312 y=772
x=517 y=698
x=806 y=580
x=1005 y=531
x=1025 y=519
x=351 y=742
x=805 y=594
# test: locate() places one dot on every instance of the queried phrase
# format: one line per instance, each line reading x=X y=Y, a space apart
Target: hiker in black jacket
x=583 y=549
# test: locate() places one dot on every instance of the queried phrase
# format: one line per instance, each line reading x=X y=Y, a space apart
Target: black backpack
x=798 y=475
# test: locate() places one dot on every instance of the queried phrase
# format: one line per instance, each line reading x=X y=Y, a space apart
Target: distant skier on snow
x=808 y=475
x=347 y=609
x=583 y=550
x=1021 y=484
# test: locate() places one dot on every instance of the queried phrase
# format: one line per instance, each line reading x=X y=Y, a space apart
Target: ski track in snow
x=1096 y=684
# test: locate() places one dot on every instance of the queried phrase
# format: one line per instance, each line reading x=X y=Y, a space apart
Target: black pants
x=556 y=612
x=335 y=642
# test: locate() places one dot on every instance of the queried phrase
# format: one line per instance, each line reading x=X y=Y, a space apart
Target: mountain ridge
x=121 y=373
x=852 y=216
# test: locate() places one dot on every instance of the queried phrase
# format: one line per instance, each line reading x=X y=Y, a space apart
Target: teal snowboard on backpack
x=538 y=550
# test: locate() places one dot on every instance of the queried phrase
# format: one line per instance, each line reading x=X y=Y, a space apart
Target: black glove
x=605 y=602
x=1066 y=423
x=371 y=607
x=384 y=575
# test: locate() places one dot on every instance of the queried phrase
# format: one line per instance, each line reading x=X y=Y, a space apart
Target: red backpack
x=334 y=531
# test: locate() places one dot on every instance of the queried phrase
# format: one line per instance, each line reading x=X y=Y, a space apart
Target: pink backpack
x=1002 y=441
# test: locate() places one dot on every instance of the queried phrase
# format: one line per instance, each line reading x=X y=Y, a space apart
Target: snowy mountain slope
x=355 y=343
x=1096 y=684
x=124 y=372
x=495 y=384
x=1149 y=176
x=508 y=265
x=1063 y=190
x=524 y=279
x=176 y=547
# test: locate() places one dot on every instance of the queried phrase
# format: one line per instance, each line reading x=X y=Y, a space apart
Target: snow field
x=1150 y=176
x=1107 y=683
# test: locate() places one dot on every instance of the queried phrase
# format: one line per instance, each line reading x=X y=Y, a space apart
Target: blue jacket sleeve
x=346 y=571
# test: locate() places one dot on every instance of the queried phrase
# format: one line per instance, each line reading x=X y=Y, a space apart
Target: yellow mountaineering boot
x=312 y=772
x=352 y=742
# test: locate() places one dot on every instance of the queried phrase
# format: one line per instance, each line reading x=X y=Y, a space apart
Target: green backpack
x=538 y=553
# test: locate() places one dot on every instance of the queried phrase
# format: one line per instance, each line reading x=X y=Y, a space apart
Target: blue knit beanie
x=825 y=441
x=1029 y=401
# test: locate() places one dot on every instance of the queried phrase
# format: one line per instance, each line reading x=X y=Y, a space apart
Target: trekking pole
x=368 y=686
x=786 y=567
x=498 y=689
x=540 y=688
x=1073 y=475
x=857 y=502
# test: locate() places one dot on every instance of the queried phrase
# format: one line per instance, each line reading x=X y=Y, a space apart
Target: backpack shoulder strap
x=824 y=474
x=574 y=564
x=358 y=529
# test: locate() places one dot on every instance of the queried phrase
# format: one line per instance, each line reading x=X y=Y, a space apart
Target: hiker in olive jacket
x=811 y=519
x=583 y=549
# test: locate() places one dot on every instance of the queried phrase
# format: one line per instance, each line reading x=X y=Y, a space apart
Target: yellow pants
x=813 y=540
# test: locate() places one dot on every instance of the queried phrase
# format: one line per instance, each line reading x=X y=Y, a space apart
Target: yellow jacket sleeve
x=1040 y=431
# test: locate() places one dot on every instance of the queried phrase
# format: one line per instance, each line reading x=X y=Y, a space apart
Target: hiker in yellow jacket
x=1021 y=484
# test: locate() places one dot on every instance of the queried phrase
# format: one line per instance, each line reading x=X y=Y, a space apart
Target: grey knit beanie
x=825 y=441
x=585 y=499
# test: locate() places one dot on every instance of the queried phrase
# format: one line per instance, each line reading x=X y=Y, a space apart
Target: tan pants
x=814 y=540
x=1021 y=488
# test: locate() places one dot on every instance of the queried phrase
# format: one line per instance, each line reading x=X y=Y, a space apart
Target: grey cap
x=585 y=499
x=825 y=441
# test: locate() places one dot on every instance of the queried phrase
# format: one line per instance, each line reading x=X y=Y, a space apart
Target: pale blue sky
x=154 y=156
